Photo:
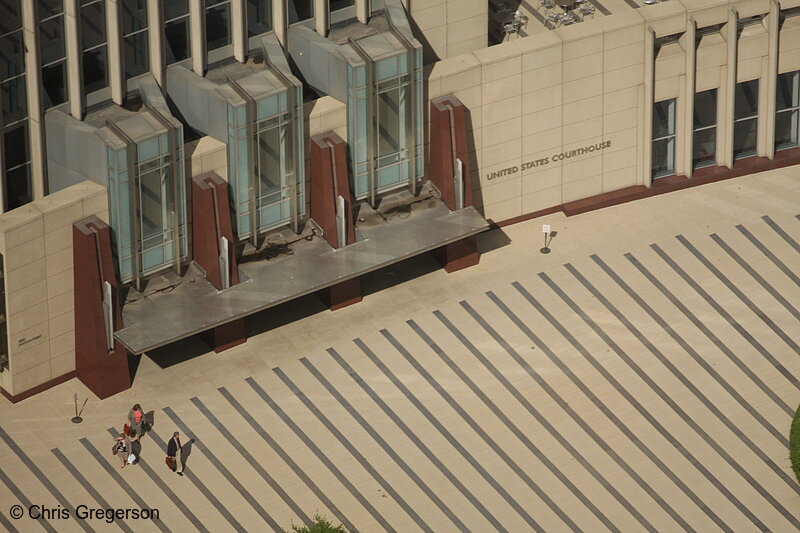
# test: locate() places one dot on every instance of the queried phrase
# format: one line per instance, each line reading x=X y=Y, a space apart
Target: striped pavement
x=642 y=377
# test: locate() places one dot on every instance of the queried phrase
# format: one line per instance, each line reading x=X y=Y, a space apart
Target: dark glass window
x=13 y=55
x=663 y=152
x=176 y=31
x=787 y=108
x=135 y=43
x=93 y=44
x=15 y=102
x=218 y=24
x=341 y=4
x=18 y=189
x=10 y=15
x=745 y=119
x=53 y=52
x=300 y=10
x=259 y=17
x=704 y=134
x=54 y=82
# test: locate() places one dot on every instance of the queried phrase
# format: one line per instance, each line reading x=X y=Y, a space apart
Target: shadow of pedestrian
x=136 y=449
x=186 y=451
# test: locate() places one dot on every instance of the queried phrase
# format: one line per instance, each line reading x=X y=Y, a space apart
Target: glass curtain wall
x=787 y=109
x=395 y=145
x=265 y=154
x=177 y=30
x=704 y=132
x=259 y=17
x=218 y=24
x=93 y=45
x=745 y=119
x=134 y=37
x=52 y=47
x=663 y=152
x=147 y=230
x=17 y=187
x=336 y=5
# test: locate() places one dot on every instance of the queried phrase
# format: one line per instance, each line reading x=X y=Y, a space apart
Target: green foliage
x=794 y=444
x=320 y=524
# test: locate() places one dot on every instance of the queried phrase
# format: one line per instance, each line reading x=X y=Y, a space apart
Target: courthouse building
x=170 y=167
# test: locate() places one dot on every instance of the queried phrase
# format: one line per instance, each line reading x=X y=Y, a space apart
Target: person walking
x=122 y=447
x=174 y=449
x=136 y=419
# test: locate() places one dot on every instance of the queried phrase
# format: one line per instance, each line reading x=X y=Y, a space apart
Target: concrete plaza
x=640 y=377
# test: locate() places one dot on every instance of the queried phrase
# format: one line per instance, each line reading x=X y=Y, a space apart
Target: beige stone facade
x=36 y=245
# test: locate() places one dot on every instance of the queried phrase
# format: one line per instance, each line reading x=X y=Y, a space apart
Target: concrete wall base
x=14 y=398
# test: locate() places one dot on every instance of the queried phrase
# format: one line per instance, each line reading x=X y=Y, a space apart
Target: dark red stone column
x=448 y=141
x=329 y=179
x=208 y=226
x=104 y=373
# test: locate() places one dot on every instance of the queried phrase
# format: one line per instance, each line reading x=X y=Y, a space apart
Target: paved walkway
x=641 y=377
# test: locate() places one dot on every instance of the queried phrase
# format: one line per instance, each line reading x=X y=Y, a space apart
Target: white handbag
x=131 y=458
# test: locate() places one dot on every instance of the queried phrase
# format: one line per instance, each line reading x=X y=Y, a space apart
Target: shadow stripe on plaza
x=106 y=466
x=416 y=440
x=513 y=428
x=621 y=426
x=639 y=335
x=381 y=442
x=254 y=464
x=212 y=458
x=5 y=437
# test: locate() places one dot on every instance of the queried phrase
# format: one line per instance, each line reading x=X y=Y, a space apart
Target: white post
x=458 y=184
x=224 y=263
x=108 y=315
x=341 y=219
x=197 y=20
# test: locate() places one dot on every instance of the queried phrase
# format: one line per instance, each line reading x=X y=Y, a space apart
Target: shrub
x=794 y=444
x=320 y=524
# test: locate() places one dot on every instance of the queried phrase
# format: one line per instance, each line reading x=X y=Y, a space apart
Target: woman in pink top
x=136 y=420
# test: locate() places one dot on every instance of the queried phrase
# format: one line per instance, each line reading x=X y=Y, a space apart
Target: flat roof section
x=190 y=305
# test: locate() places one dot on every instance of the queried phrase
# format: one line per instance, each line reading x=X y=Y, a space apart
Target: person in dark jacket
x=174 y=451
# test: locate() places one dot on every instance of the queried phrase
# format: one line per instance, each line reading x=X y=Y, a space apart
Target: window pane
x=93 y=25
x=94 y=70
x=51 y=39
x=175 y=8
x=269 y=158
x=18 y=187
x=218 y=27
x=340 y=4
x=150 y=197
x=177 y=34
x=388 y=122
x=15 y=145
x=744 y=138
x=134 y=15
x=137 y=61
x=15 y=103
x=663 y=157
x=663 y=118
x=746 y=103
x=12 y=54
x=705 y=109
x=48 y=8
x=54 y=81
x=704 y=149
x=786 y=129
x=259 y=17
x=10 y=15
x=300 y=10
x=787 y=93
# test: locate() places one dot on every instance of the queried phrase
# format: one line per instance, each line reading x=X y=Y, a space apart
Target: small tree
x=320 y=524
